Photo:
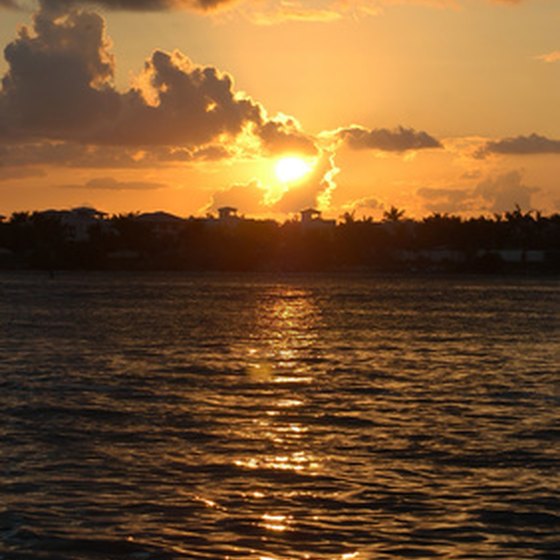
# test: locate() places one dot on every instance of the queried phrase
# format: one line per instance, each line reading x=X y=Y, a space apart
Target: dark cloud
x=283 y=135
x=281 y=11
x=130 y=5
x=521 y=145
x=59 y=86
x=210 y=153
x=161 y=4
x=169 y=154
x=66 y=154
x=112 y=184
x=192 y=106
x=71 y=154
x=398 y=140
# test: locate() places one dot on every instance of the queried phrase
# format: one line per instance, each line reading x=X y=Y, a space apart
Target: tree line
x=512 y=241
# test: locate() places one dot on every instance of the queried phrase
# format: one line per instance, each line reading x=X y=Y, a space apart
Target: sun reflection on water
x=286 y=329
x=276 y=523
x=298 y=461
x=284 y=338
x=271 y=441
x=273 y=444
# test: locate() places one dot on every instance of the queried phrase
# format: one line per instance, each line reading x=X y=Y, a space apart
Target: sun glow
x=292 y=168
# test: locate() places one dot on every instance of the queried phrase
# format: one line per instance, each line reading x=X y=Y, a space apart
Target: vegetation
x=510 y=242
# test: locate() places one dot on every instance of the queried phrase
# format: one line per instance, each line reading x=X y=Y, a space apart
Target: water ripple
x=173 y=416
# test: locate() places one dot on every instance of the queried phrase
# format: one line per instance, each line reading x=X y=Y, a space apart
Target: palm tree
x=393 y=215
x=348 y=217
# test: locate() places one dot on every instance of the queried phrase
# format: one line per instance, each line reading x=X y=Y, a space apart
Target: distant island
x=86 y=239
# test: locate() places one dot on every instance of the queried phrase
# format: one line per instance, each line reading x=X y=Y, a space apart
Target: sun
x=292 y=168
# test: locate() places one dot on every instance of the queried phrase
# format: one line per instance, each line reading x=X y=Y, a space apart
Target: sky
x=273 y=106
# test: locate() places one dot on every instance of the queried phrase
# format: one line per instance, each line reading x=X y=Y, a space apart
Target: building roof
x=80 y=213
x=159 y=218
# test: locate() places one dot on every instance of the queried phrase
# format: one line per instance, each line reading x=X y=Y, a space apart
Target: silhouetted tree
x=42 y=240
x=393 y=214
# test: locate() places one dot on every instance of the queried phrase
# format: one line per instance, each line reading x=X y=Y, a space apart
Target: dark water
x=156 y=417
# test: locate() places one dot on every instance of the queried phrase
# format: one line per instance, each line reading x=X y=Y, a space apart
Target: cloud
x=168 y=154
x=59 y=89
x=137 y=5
x=248 y=198
x=71 y=154
x=447 y=199
x=363 y=205
x=59 y=86
x=397 y=140
x=502 y=193
x=472 y=174
x=520 y=145
x=182 y=104
x=7 y=173
x=263 y=12
x=550 y=57
x=315 y=191
x=279 y=12
x=68 y=154
x=112 y=184
x=255 y=198
x=283 y=134
x=495 y=194
x=367 y=203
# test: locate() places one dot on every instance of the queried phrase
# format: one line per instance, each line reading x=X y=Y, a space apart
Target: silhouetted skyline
x=85 y=238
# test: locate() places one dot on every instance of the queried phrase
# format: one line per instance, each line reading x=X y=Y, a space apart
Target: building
x=78 y=221
x=162 y=223
x=312 y=219
x=227 y=214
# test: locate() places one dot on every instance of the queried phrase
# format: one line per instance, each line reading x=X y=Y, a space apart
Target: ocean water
x=152 y=416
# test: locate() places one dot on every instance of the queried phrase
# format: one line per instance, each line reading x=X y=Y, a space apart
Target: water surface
x=151 y=416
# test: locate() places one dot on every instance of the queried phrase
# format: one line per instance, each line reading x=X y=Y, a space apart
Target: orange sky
x=187 y=105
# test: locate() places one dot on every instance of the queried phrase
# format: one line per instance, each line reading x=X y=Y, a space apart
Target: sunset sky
x=189 y=105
